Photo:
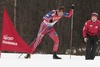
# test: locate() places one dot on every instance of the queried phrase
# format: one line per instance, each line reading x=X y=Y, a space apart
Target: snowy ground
x=45 y=60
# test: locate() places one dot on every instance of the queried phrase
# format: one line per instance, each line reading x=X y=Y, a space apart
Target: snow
x=45 y=60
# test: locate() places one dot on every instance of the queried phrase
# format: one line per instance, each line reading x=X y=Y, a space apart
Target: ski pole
x=71 y=36
x=20 y=55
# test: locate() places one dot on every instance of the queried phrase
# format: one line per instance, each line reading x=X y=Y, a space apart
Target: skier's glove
x=73 y=7
x=51 y=21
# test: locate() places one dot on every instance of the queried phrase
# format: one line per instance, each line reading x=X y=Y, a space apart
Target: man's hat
x=95 y=14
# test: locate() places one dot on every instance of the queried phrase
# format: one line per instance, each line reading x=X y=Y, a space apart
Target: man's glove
x=85 y=39
x=73 y=7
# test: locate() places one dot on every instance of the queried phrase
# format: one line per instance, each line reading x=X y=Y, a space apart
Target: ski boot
x=27 y=56
x=55 y=56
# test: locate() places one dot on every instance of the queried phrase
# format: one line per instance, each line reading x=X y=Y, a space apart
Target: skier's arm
x=68 y=15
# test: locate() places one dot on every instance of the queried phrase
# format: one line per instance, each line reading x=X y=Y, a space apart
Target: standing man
x=46 y=27
x=90 y=33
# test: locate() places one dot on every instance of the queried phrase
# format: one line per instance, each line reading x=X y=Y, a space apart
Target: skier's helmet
x=61 y=8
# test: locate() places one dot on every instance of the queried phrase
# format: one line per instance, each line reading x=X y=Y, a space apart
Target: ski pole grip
x=73 y=7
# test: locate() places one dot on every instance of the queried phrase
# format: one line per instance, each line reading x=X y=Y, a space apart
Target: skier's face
x=60 y=13
x=94 y=18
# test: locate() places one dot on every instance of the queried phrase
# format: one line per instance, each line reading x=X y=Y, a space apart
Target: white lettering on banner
x=5 y=37
x=10 y=43
x=7 y=40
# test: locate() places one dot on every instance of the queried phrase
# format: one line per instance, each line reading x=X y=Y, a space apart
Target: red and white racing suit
x=46 y=27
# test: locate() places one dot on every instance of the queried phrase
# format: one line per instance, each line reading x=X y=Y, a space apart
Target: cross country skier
x=46 y=27
x=90 y=33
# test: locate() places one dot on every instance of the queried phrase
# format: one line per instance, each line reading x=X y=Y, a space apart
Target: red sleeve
x=85 y=30
x=99 y=24
x=70 y=13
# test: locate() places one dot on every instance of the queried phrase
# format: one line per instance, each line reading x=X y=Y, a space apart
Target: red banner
x=10 y=40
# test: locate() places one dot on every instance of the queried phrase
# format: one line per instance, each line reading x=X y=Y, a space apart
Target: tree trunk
x=15 y=3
